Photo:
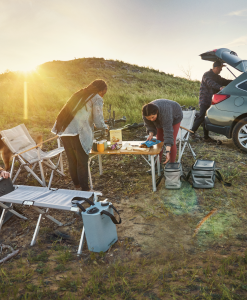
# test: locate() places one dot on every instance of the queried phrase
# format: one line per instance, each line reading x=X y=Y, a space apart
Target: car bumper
x=224 y=130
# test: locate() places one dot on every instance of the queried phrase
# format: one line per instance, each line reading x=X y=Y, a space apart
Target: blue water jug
x=99 y=224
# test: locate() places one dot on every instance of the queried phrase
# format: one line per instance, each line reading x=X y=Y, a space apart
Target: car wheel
x=239 y=135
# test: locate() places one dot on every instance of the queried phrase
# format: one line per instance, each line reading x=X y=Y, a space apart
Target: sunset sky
x=162 y=34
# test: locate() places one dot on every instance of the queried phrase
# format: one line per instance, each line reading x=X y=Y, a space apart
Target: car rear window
x=243 y=86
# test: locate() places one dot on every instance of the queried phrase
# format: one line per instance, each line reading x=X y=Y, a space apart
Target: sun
x=27 y=68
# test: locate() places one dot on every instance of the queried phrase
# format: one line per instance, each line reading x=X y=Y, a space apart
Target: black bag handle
x=187 y=177
x=219 y=177
x=111 y=216
x=80 y=199
x=159 y=179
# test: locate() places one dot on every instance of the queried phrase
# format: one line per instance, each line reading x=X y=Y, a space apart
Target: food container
x=100 y=146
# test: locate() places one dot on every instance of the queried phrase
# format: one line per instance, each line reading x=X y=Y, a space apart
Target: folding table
x=153 y=152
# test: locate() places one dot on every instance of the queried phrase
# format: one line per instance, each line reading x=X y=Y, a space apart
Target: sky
x=167 y=35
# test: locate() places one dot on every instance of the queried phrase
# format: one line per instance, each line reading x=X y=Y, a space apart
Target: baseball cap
x=218 y=63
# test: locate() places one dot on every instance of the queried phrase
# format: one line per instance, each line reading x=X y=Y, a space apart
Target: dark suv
x=227 y=114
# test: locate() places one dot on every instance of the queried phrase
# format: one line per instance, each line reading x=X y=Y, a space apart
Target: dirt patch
x=156 y=256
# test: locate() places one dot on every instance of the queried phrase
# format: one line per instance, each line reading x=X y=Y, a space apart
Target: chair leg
x=46 y=215
x=36 y=232
x=29 y=170
x=61 y=163
x=51 y=177
x=10 y=208
x=60 y=156
x=2 y=217
x=51 y=165
x=192 y=151
x=82 y=240
x=33 y=167
x=12 y=168
x=42 y=173
x=17 y=173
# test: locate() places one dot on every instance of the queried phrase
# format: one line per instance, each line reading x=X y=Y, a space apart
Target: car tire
x=239 y=135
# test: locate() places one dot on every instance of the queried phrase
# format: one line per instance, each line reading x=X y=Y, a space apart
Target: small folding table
x=153 y=153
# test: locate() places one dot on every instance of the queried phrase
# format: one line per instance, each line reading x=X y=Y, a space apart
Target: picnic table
x=146 y=153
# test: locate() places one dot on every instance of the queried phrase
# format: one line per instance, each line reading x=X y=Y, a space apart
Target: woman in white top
x=75 y=124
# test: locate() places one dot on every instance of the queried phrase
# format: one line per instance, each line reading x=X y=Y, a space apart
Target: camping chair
x=29 y=155
x=183 y=134
x=40 y=197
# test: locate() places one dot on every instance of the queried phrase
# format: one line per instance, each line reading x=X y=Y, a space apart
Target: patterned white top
x=82 y=123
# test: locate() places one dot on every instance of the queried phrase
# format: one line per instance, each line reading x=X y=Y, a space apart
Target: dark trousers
x=78 y=161
x=200 y=119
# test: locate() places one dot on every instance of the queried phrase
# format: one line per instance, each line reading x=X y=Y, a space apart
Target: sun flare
x=28 y=68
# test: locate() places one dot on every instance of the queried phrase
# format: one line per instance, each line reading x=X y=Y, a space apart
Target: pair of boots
x=208 y=139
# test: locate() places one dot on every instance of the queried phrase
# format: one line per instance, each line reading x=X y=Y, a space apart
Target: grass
x=156 y=256
x=50 y=86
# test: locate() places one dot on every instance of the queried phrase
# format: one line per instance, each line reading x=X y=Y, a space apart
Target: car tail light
x=217 y=98
x=214 y=50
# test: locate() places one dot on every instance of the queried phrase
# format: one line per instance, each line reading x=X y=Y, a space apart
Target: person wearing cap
x=211 y=84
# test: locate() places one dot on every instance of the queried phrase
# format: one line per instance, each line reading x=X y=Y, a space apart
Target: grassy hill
x=50 y=86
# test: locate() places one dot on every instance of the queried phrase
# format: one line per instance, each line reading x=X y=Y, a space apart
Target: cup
x=95 y=146
x=100 y=147
x=105 y=144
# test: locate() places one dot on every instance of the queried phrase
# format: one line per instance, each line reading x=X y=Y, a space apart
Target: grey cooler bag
x=99 y=224
x=203 y=174
x=173 y=173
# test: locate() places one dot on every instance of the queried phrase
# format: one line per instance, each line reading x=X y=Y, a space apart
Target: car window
x=242 y=85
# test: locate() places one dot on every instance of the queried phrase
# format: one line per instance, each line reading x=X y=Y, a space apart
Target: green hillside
x=49 y=87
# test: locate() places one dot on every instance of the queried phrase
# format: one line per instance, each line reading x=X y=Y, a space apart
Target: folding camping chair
x=40 y=197
x=183 y=134
x=19 y=141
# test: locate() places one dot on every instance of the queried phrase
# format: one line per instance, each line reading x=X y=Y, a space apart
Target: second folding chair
x=183 y=134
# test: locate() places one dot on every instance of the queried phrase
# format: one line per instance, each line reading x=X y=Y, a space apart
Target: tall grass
x=49 y=87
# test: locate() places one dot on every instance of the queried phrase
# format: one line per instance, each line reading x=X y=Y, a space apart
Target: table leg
x=158 y=164
x=153 y=172
x=90 y=175
x=100 y=165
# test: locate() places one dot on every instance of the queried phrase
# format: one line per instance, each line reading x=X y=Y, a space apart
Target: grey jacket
x=82 y=124
x=169 y=114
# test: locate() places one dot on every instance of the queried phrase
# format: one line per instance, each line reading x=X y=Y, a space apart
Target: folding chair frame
x=29 y=167
x=43 y=213
x=185 y=140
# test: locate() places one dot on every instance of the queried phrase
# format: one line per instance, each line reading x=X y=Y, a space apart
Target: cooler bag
x=203 y=174
x=173 y=173
x=99 y=224
x=6 y=186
